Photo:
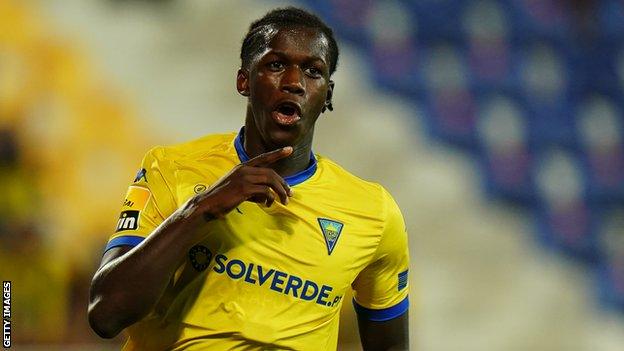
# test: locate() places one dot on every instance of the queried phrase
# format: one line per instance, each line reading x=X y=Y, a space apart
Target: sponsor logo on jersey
x=136 y=198
x=331 y=232
x=140 y=175
x=128 y=220
x=199 y=188
x=275 y=280
x=402 y=280
x=200 y=257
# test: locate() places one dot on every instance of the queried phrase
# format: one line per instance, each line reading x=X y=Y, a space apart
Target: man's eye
x=314 y=72
x=276 y=65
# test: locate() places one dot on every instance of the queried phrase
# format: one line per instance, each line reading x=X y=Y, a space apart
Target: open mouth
x=287 y=114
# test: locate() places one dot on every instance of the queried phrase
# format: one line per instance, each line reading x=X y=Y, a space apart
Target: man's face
x=288 y=85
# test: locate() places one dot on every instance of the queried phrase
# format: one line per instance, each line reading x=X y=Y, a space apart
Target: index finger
x=269 y=157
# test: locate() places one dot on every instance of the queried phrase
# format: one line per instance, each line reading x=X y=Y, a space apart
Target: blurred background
x=497 y=125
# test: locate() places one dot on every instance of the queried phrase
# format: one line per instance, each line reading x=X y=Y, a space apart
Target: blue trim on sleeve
x=292 y=180
x=382 y=315
x=130 y=240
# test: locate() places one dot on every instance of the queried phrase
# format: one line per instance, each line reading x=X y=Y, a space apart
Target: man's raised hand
x=248 y=181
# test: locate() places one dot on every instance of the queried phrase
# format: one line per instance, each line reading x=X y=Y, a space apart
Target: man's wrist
x=198 y=208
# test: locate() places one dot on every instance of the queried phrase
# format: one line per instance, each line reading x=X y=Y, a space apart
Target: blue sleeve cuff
x=129 y=240
x=382 y=315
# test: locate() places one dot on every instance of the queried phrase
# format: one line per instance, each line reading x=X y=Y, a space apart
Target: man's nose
x=293 y=81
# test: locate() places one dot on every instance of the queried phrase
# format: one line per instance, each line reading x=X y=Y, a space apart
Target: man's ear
x=328 y=98
x=242 y=82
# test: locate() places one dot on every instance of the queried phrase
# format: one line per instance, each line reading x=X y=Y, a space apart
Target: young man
x=249 y=240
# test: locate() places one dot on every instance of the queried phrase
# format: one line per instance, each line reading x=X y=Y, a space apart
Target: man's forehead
x=297 y=40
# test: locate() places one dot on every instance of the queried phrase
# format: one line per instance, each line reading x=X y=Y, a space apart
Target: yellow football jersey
x=266 y=278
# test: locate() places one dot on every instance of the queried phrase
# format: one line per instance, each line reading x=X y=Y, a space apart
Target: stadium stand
x=532 y=90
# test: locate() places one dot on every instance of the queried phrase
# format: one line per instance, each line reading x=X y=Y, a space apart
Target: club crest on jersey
x=331 y=232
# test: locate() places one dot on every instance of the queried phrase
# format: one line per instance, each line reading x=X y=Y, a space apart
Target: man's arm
x=381 y=289
x=130 y=281
x=388 y=335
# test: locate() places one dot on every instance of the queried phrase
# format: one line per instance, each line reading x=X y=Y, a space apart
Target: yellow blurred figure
x=67 y=128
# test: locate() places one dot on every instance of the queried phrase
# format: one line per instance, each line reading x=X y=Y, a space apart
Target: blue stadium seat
x=503 y=149
x=610 y=269
x=564 y=219
x=600 y=130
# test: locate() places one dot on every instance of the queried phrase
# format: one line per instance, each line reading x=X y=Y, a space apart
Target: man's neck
x=298 y=161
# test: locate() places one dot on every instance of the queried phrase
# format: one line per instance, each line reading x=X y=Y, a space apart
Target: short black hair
x=255 y=40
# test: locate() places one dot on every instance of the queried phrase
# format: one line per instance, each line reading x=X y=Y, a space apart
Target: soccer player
x=248 y=240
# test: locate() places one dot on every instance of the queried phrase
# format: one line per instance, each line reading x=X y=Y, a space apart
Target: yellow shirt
x=266 y=278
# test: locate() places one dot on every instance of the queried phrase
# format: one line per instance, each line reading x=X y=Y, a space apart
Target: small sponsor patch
x=331 y=232
x=128 y=220
x=136 y=198
x=402 y=280
x=140 y=175
x=200 y=257
x=199 y=188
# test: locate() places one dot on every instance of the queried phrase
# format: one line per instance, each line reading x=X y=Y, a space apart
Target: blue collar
x=294 y=179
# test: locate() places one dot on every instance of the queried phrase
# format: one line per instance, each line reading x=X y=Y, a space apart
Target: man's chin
x=280 y=136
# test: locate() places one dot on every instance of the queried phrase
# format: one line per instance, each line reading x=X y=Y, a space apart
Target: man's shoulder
x=195 y=149
x=341 y=174
x=359 y=189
